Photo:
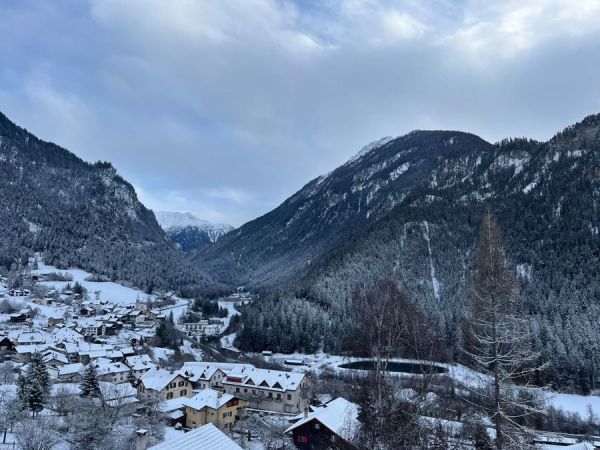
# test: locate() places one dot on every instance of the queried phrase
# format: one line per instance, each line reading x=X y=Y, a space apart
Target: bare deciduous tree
x=37 y=434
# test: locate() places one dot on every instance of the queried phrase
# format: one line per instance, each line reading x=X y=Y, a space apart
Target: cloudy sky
x=225 y=108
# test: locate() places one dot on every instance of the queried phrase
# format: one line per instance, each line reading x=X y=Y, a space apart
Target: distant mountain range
x=84 y=215
x=410 y=207
x=188 y=232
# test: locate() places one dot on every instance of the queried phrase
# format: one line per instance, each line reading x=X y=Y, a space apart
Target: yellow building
x=210 y=406
x=164 y=384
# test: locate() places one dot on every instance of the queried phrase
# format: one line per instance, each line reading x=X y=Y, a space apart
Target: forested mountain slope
x=81 y=214
x=411 y=206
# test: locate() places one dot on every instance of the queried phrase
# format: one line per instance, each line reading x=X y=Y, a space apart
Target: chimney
x=219 y=394
x=141 y=439
x=305 y=412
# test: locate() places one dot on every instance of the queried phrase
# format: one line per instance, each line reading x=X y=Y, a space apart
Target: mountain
x=188 y=232
x=84 y=215
x=410 y=208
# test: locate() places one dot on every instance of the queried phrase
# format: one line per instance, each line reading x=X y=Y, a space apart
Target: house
x=164 y=384
x=111 y=371
x=210 y=374
x=207 y=437
x=70 y=372
x=271 y=390
x=139 y=364
x=55 y=359
x=331 y=426
x=24 y=352
x=119 y=395
x=6 y=345
x=210 y=406
x=18 y=317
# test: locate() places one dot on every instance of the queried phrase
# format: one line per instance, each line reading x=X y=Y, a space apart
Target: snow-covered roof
x=276 y=380
x=26 y=349
x=64 y=333
x=69 y=369
x=578 y=446
x=207 y=437
x=157 y=379
x=207 y=398
x=339 y=415
x=205 y=370
x=52 y=355
x=139 y=362
x=111 y=367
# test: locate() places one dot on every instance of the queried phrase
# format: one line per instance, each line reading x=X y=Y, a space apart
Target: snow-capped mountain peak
x=188 y=231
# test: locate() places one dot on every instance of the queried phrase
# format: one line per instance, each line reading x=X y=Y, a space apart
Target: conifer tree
x=89 y=385
x=131 y=378
x=440 y=439
x=33 y=387
x=498 y=340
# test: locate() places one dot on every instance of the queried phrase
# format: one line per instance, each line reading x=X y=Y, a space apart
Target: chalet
x=332 y=426
x=6 y=345
x=210 y=406
x=18 y=317
x=271 y=390
x=164 y=384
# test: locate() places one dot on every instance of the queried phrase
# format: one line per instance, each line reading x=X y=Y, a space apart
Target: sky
x=226 y=108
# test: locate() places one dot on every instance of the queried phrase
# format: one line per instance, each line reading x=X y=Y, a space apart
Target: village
x=199 y=401
x=154 y=357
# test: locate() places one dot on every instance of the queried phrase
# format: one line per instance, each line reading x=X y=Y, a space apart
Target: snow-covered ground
x=575 y=403
x=113 y=292
x=227 y=341
x=230 y=306
x=109 y=290
x=319 y=362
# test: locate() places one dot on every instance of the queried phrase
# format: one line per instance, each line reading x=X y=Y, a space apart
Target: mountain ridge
x=82 y=214
x=188 y=232
x=410 y=210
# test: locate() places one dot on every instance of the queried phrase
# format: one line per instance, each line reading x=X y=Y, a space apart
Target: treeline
x=209 y=308
x=282 y=326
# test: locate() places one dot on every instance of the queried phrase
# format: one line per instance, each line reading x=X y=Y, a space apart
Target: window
x=254 y=391
x=180 y=383
x=278 y=396
x=270 y=395
x=183 y=392
x=317 y=426
x=289 y=396
x=301 y=439
x=169 y=395
x=245 y=390
x=237 y=389
x=226 y=414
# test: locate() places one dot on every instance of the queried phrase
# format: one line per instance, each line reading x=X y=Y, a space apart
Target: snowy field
x=113 y=292
x=319 y=362
x=109 y=290
x=575 y=403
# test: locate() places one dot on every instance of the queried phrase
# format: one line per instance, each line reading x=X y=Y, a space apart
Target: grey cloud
x=226 y=108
